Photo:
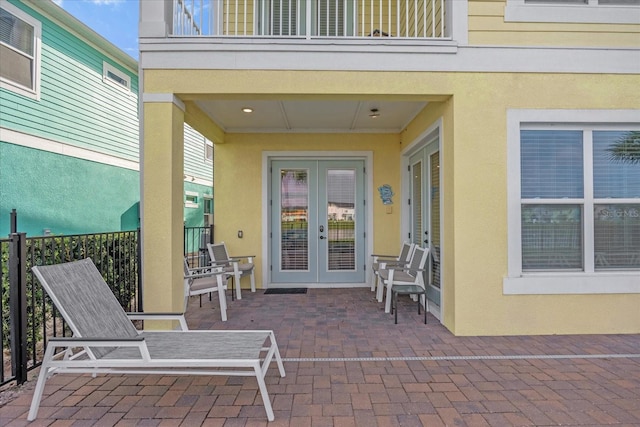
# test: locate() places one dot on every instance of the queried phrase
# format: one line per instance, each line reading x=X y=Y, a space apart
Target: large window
x=19 y=50
x=580 y=195
x=577 y=11
x=574 y=201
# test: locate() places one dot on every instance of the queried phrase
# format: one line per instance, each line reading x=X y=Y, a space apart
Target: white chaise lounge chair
x=111 y=344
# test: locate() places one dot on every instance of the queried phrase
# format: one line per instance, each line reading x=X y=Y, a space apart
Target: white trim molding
x=113 y=76
x=573 y=284
x=518 y=282
x=30 y=141
x=163 y=98
x=268 y=156
x=241 y=54
x=591 y=12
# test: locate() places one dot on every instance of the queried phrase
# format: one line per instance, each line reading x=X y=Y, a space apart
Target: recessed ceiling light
x=247 y=110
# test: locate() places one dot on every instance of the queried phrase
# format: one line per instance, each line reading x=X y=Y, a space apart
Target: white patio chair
x=381 y=261
x=205 y=280
x=109 y=343
x=412 y=274
x=232 y=264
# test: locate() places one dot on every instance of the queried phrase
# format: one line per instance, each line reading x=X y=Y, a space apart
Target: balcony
x=313 y=19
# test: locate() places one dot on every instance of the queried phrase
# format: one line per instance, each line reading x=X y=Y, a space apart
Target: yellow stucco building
x=505 y=131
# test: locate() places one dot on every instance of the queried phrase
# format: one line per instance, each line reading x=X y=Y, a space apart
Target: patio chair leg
x=395 y=307
x=387 y=305
x=223 y=299
x=380 y=289
x=237 y=282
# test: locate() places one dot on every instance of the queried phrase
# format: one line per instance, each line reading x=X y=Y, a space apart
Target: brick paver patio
x=348 y=365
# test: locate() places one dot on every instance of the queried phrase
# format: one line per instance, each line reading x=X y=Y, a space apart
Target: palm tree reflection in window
x=626 y=149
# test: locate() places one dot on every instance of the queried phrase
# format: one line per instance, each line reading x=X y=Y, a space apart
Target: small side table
x=408 y=290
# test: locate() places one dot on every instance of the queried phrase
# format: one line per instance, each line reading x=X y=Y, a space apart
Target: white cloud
x=105 y=2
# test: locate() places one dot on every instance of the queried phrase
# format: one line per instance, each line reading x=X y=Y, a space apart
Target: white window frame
x=591 y=12
x=588 y=281
x=187 y=202
x=108 y=68
x=10 y=85
x=208 y=143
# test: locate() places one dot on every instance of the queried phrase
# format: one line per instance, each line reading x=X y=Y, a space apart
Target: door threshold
x=318 y=285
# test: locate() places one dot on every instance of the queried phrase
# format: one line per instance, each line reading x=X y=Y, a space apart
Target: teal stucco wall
x=63 y=194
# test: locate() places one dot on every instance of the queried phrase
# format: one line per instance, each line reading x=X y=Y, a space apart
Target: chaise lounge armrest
x=160 y=316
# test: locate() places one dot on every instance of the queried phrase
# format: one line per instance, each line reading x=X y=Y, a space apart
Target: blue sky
x=115 y=20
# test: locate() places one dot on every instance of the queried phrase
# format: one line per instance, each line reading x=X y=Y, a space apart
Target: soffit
x=293 y=115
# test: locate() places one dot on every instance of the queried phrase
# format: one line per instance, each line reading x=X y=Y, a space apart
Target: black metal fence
x=28 y=316
x=195 y=245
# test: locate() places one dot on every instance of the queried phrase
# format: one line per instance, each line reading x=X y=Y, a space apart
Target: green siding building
x=69 y=129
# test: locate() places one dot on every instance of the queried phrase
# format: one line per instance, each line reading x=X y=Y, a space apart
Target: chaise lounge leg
x=263 y=392
x=42 y=378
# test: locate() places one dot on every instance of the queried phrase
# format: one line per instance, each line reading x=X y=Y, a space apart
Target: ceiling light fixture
x=247 y=110
x=374 y=113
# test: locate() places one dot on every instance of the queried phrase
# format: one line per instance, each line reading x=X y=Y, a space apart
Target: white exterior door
x=318 y=221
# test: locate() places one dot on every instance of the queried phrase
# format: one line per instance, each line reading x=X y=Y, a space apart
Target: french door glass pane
x=551 y=164
x=617 y=236
x=434 y=161
x=615 y=175
x=551 y=237
x=341 y=208
x=294 y=219
x=416 y=202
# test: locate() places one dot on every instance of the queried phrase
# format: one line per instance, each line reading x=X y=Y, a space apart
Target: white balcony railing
x=409 y=19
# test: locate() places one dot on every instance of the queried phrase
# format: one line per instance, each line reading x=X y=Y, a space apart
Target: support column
x=162 y=206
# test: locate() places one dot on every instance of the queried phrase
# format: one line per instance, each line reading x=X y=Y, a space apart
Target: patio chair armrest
x=404 y=268
x=160 y=316
x=385 y=256
x=393 y=263
x=211 y=272
x=199 y=270
x=221 y=264
x=237 y=258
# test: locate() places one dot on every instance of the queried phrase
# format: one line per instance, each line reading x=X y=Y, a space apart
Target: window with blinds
x=18 y=49
x=341 y=215
x=279 y=17
x=567 y=198
x=616 y=181
x=294 y=219
x=331 y=20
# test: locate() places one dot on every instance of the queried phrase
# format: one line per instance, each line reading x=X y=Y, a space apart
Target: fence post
x=18 y=305
x=13 y=222
x=139 y=254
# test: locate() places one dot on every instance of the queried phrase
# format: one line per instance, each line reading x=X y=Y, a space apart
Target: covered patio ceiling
x=311 y=116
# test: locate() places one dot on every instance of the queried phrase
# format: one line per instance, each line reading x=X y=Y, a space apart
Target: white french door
x=424 y=169
x=317 y=221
